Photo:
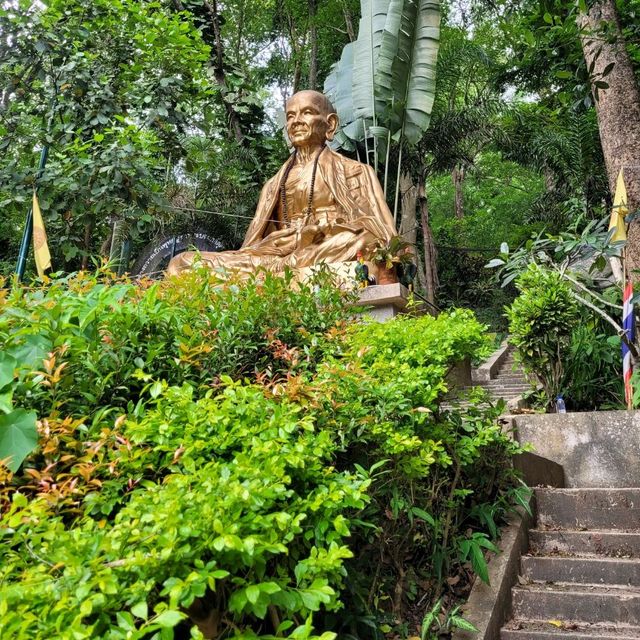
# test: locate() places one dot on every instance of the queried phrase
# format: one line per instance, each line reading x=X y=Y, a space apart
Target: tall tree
x=313 y=45
x=123 y=81
x=617 y=101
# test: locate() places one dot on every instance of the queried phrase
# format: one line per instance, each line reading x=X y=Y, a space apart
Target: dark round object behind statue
x=156 y=255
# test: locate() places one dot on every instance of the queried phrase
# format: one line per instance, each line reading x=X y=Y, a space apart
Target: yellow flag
x=40 y=246
x=619 y=211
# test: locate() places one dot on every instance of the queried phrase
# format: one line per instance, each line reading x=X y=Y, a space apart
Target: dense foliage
x=159 y=115
x=162 y=116
x=541 y=321
x=562 y=343
x=237 y=456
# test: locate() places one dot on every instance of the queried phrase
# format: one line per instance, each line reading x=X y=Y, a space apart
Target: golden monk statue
x=320 y=206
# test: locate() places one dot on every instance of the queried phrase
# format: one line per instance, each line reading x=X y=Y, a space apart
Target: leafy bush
x=541 y=321
x=211 y=455
x=593 y=367
x=431 y=470
x=467 y=283
x=108 y=339
x=570 y=351
x=230 y=497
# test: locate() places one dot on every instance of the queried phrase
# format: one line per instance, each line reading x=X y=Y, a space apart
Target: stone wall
x=596 y=449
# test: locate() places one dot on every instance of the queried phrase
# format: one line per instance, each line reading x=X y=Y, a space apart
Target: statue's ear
x=332 y=125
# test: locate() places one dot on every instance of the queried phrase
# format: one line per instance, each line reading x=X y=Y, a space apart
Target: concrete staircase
x=507 y=382
x=581 y=578
x=500 y=376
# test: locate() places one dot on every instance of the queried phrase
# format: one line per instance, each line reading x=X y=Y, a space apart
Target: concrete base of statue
x=386 y=301
x=383 y=302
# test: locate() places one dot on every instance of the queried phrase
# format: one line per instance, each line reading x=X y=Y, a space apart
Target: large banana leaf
x=352 y=92
x=365 y=54
x=338 y=88
x=339 y=85
x=387 y=76
x=406 y=70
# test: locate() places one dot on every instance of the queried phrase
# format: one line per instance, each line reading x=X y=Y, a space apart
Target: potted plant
x=388 y=256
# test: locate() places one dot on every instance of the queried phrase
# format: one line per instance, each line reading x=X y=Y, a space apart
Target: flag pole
x=27 y=234
x=28 y=225
x=627 y=367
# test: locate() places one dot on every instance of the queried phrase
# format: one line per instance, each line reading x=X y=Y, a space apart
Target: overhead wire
x=275 y=220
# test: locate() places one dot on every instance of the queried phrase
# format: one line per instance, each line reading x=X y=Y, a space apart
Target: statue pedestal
x=386 y=301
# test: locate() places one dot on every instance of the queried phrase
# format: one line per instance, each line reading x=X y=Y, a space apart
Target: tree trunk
x=617 y=108
x=550 y=182
x=409 y=226
x=218 y=70
x=430 y=270
x=313 y=46
x=348 y=21
x=296 y=51
x=457 y=177
x=297 y=76
x=105 y=247
x=241 y=20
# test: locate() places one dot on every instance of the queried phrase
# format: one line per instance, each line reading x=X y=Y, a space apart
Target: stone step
x=502 y=387
x=618 y=544
x=500 y=384
x=617 y=509
x=492 y=392
x=588 y=604
x=505 y=394
x=545 y=630
x=595 y=571
x=509 y=367
x=509 y=370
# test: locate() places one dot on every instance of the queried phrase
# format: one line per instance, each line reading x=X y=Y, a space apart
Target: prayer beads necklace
x=283 y=185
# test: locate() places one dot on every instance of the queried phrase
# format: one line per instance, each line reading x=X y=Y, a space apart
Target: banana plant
x=383 y=86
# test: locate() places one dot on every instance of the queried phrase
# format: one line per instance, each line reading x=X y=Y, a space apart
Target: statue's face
x=308 y=123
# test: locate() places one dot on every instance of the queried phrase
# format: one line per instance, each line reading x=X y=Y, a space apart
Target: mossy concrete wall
x=595 y=449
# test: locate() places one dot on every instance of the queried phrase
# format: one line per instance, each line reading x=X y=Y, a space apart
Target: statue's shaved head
x=319 y=99
x=311 y=119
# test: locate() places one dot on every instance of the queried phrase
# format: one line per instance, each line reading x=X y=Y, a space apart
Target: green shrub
x=569 y=351
x=237 y=456
x=593 y=367
x=108 y=339
x=230 y=498
x=431 y=470
x=541 y=322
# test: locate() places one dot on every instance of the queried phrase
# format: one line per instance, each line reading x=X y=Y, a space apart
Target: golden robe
x=349 y=214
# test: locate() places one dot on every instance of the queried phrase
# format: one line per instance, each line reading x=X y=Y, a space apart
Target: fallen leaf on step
x=556 y=623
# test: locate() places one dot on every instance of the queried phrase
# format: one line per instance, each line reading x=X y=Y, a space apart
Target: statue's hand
x=312 y=234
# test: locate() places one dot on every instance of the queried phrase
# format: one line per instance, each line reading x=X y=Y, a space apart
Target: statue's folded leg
x=340 y=247
x=270 y=251
x=243 y=261
x=280 y=250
